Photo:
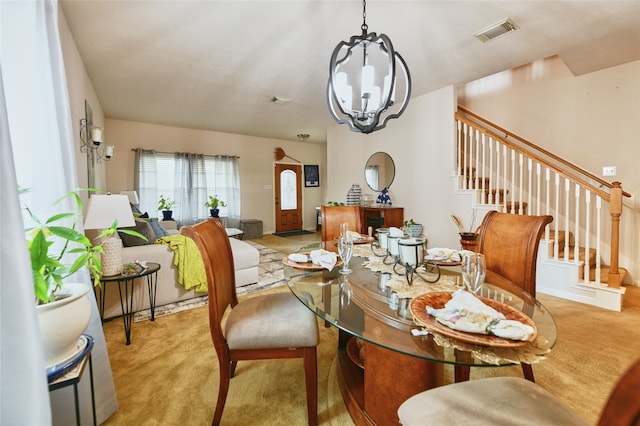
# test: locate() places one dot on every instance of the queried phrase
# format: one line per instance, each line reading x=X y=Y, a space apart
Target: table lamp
x=102 y=211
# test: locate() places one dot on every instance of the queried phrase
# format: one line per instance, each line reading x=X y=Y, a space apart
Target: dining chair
x=333 y=216
x=512 y=400
x=509 y=243
x=268 y=326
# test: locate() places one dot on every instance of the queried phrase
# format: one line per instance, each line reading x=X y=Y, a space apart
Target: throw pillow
x=143 y=228
x=157 y=228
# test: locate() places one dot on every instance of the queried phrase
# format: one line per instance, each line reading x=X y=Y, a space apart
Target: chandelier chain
x=364 y=26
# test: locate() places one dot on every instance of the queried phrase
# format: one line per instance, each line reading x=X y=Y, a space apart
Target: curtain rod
x=164 y=152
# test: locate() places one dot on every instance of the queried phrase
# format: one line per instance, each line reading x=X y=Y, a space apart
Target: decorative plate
x=437 y=300
x=445 y=262
x=308 y=266
x=364 y=239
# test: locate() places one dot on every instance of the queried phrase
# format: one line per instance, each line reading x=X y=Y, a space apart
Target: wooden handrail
x=504 y=139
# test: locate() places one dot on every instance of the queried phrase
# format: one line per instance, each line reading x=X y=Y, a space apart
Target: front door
x=288 y=197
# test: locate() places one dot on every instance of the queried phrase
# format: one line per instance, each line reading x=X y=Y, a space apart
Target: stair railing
x=516 y=176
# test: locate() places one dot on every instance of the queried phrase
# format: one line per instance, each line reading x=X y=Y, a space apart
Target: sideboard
x=380 y=216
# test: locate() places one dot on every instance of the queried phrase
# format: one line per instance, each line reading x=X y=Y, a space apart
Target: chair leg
x=223 y=389
x=311 y=379
x=461 y=373
x=527 y=370
x=232 y=370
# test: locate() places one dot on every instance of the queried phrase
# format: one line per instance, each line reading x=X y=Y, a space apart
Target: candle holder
x=380 y=243
x=411 y=257
x=393 y=253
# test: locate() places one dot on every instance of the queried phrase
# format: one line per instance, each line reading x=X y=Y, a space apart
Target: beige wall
x=80 y=88
x=256 y=162
x=590 y=120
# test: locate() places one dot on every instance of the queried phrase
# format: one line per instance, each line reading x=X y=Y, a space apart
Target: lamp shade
x=104 y=209
x=133 y=196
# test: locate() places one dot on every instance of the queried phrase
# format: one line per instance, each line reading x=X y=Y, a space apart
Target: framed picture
x=311 y=175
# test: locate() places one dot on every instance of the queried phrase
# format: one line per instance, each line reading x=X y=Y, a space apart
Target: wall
x=590 y=120
x=421 y=145
x=80 y=89
x=256 y=162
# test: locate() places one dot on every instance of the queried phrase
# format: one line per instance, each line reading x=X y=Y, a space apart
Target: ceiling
x=216 y=65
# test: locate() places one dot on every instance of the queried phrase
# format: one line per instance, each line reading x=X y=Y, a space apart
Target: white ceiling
x=216 y=64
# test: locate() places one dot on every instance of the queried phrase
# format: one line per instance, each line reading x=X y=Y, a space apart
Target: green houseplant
x=214 y=203
x=165 y=204
x=63 y=310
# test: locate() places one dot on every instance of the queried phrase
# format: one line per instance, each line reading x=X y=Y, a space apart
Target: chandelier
x=365 y=76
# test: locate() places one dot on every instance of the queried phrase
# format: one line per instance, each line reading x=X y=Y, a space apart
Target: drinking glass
x=344 y=228
x=474 y=270
x=345 y=251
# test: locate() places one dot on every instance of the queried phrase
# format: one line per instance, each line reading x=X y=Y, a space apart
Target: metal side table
x=125 y=287
x=70 y=372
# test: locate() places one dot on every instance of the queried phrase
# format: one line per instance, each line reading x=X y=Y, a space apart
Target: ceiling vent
x=496 y=30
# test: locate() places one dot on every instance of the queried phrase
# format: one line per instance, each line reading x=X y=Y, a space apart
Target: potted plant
x=165 y=204
x=415 y=229
x=63 y=309
x=214 y=203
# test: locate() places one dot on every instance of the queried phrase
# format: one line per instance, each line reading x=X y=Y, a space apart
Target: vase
x=416 y=229
x=166 y=214
x=214 y=212
x=469 y=241
x=62 y=323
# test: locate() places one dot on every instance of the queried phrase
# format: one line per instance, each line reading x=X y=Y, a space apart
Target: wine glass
x=474 y=270
x=345 y=251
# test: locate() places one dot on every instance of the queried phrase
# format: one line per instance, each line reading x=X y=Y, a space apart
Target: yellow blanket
x=187 y=259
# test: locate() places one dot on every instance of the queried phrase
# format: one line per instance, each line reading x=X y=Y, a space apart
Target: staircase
x=579 y=252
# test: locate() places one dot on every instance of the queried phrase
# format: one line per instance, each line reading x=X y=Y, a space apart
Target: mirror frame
x=375 y=156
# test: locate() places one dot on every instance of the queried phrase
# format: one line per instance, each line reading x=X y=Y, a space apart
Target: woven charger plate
x=437 y=300
x=308 y=266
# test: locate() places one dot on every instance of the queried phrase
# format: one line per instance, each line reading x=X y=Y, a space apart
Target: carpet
x=292 y=233
x=270 y=275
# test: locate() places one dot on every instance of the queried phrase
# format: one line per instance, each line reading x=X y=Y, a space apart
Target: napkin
x=326 y=259
x=396 y=232
x=298 y=257
x=438 y=253
x=465 y=312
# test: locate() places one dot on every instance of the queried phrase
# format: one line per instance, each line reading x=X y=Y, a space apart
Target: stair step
x=604 y=274
x=581 y=255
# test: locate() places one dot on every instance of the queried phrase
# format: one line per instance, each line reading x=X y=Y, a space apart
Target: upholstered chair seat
x=493 y=401
x=276 y=320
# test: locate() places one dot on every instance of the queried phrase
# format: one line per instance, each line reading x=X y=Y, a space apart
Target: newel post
x=615 y=209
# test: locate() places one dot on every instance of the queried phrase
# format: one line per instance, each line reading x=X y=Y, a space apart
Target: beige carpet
x=169 y=373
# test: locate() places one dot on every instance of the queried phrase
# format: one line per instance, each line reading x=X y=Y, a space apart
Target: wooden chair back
x=623 y=406
x=509 y=243
x=212 y=241
x=333 y=216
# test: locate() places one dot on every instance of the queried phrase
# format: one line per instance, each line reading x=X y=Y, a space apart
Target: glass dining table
x=388 y=350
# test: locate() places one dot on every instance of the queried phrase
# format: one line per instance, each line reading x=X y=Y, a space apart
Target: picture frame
x=311 y=175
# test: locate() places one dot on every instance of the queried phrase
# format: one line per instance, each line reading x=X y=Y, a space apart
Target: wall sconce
x=91 y=140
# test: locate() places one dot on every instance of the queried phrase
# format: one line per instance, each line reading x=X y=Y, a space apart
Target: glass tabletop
x=374 y=304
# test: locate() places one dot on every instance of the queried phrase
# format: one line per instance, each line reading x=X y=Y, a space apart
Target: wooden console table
x=380 y=216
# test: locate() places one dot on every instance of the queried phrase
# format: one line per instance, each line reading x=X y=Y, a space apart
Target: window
x=188 y=179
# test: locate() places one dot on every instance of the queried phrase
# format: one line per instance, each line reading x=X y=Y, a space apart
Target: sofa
x=245 y=258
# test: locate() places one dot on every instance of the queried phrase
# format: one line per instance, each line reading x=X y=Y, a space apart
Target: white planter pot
x=63 y=322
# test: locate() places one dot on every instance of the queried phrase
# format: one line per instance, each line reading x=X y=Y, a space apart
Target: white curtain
x=190 y=192
x=37 y=153
x=226 y=184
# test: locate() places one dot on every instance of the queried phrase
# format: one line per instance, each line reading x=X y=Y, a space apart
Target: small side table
x=70 y=373
x=234 y=233
x=125 y=285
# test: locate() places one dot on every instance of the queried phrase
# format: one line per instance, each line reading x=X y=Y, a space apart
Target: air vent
x=496 y=30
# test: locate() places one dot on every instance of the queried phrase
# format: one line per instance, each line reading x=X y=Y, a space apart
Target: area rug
x=292 y=233
x=270 y=275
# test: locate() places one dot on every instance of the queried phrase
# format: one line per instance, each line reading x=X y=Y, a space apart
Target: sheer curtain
x=37 y=152
x=190 y=192
x=146 y=179
x=226 y=184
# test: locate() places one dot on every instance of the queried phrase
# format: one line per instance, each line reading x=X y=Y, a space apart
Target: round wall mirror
x=379 y=171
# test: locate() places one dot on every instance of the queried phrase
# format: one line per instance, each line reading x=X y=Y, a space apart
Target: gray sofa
x=245 y=257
